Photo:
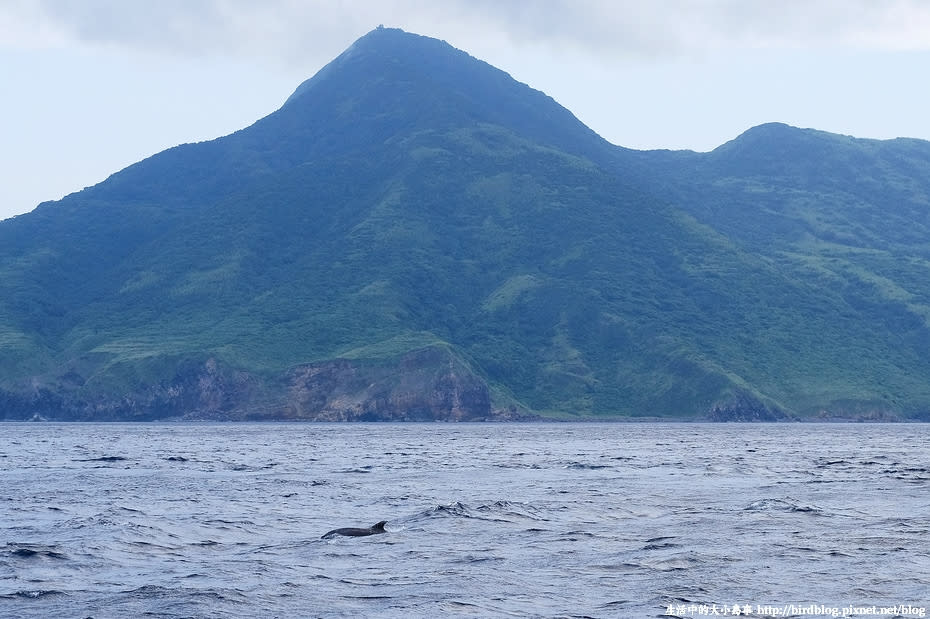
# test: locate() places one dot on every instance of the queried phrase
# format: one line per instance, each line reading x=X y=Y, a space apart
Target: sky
x=88 y=87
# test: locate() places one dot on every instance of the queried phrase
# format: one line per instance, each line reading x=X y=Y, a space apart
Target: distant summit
x=435 y=83
x=415 y=235
x=389 y=45
x=363 y=50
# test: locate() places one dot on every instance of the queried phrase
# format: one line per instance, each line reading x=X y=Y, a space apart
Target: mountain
x=416 y=235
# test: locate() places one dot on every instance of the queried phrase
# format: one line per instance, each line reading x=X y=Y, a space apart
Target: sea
x=483 y=520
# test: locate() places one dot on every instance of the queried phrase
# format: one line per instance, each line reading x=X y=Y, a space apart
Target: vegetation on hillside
x=411 y=198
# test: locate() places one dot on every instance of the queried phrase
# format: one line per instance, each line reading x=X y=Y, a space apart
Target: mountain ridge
x=415 y=235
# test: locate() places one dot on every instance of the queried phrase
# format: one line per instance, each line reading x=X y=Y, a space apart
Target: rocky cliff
x=430 y=384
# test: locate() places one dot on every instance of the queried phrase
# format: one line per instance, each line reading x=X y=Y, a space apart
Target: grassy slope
x=847 y=218
x=787 y=266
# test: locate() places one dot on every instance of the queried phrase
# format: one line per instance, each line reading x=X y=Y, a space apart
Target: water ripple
x=601 y=520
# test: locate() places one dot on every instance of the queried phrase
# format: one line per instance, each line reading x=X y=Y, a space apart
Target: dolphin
x=355 y=532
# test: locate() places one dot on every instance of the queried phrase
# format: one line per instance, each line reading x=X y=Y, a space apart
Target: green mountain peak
x=416 y=235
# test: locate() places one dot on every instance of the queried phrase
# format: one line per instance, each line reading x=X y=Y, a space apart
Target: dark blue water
x=538 y=520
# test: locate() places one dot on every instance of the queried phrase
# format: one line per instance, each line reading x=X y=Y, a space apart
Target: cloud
x=672 y=27
x=272 y=28
x=291 y=30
